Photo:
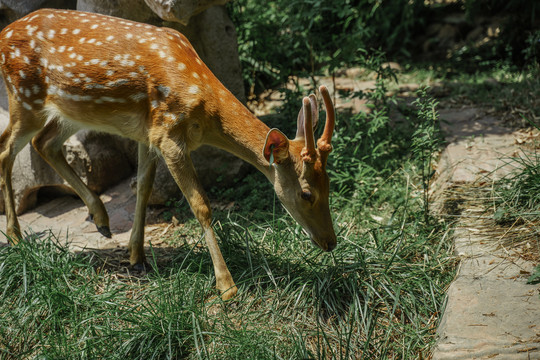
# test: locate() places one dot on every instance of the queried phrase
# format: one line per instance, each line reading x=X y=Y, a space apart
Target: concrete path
x=491 y=312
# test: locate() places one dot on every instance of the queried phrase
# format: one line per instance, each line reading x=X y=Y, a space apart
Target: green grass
x=379 y=295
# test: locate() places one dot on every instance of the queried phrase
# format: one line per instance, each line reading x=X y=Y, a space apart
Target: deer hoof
x=229 y=293
x=105 y=231
x=140 y=267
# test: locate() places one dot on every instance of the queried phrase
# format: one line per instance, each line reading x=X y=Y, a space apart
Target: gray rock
x=181 y=11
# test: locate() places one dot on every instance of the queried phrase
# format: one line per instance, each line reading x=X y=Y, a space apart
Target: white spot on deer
x=27 y=93
x=80 y=57
x=193 y=89
x=91 y=41
x=138 y=97
x=9 y=33
x=109 y=72
x=38 y=101
x=61 y=49
x=70 y=48
x=69 y=74
x=82 y=40
x=181 y=66
x=118 y=82
x=32 y=44
x=22 y=74
x=195 y=75
x=162 y=54
x=154 y=46
x=25 y=58
x=94 y=86
x=142 y=40
x=85 y=20
x=77 y=80
x=95 y=26
x=72 y=56
x=112 y=99
x=44 y=62
x=51 y=33
x=31 y=29
x=76 y=31
x=50 y=16
x=198 y=61
x=27 y=106
x=109 y=38
x=127 y=62
x=36 y=89
x=129 y=36
x=133 y=74
x=51 y=90
x=63 y=31
x=52 y=50
x=165 y=90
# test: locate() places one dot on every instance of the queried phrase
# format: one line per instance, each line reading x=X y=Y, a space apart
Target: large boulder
x=181 y=11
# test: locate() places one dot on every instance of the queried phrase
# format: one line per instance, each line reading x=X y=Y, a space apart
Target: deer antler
x=309 y=154
x=324 y=144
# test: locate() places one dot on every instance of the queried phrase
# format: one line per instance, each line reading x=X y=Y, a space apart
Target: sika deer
x=67 y=70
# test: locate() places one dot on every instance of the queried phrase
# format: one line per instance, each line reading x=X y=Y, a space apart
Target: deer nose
x=331 y=246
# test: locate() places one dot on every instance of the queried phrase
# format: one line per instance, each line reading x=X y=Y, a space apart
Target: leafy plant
x=426 y=141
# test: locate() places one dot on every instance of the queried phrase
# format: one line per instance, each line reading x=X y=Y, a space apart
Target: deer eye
x=306 y=195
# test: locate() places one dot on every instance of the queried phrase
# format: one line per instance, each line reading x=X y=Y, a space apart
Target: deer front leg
x=184 y=174
x=146 y=171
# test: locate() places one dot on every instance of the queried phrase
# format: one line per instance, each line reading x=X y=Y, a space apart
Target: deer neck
x=240 y=133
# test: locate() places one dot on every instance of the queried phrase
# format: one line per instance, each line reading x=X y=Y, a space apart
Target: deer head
x=300 y=178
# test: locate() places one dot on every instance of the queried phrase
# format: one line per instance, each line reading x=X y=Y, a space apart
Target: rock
x=11 y=10
x=180 y=10
x=135 y=10
x=213 y=36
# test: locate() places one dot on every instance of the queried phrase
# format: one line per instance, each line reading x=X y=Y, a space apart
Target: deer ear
x=276 y=147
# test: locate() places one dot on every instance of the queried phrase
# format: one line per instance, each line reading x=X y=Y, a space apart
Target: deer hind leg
x=22 y=126
x=146 y=171
x=185 y=176
x=48 y=143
